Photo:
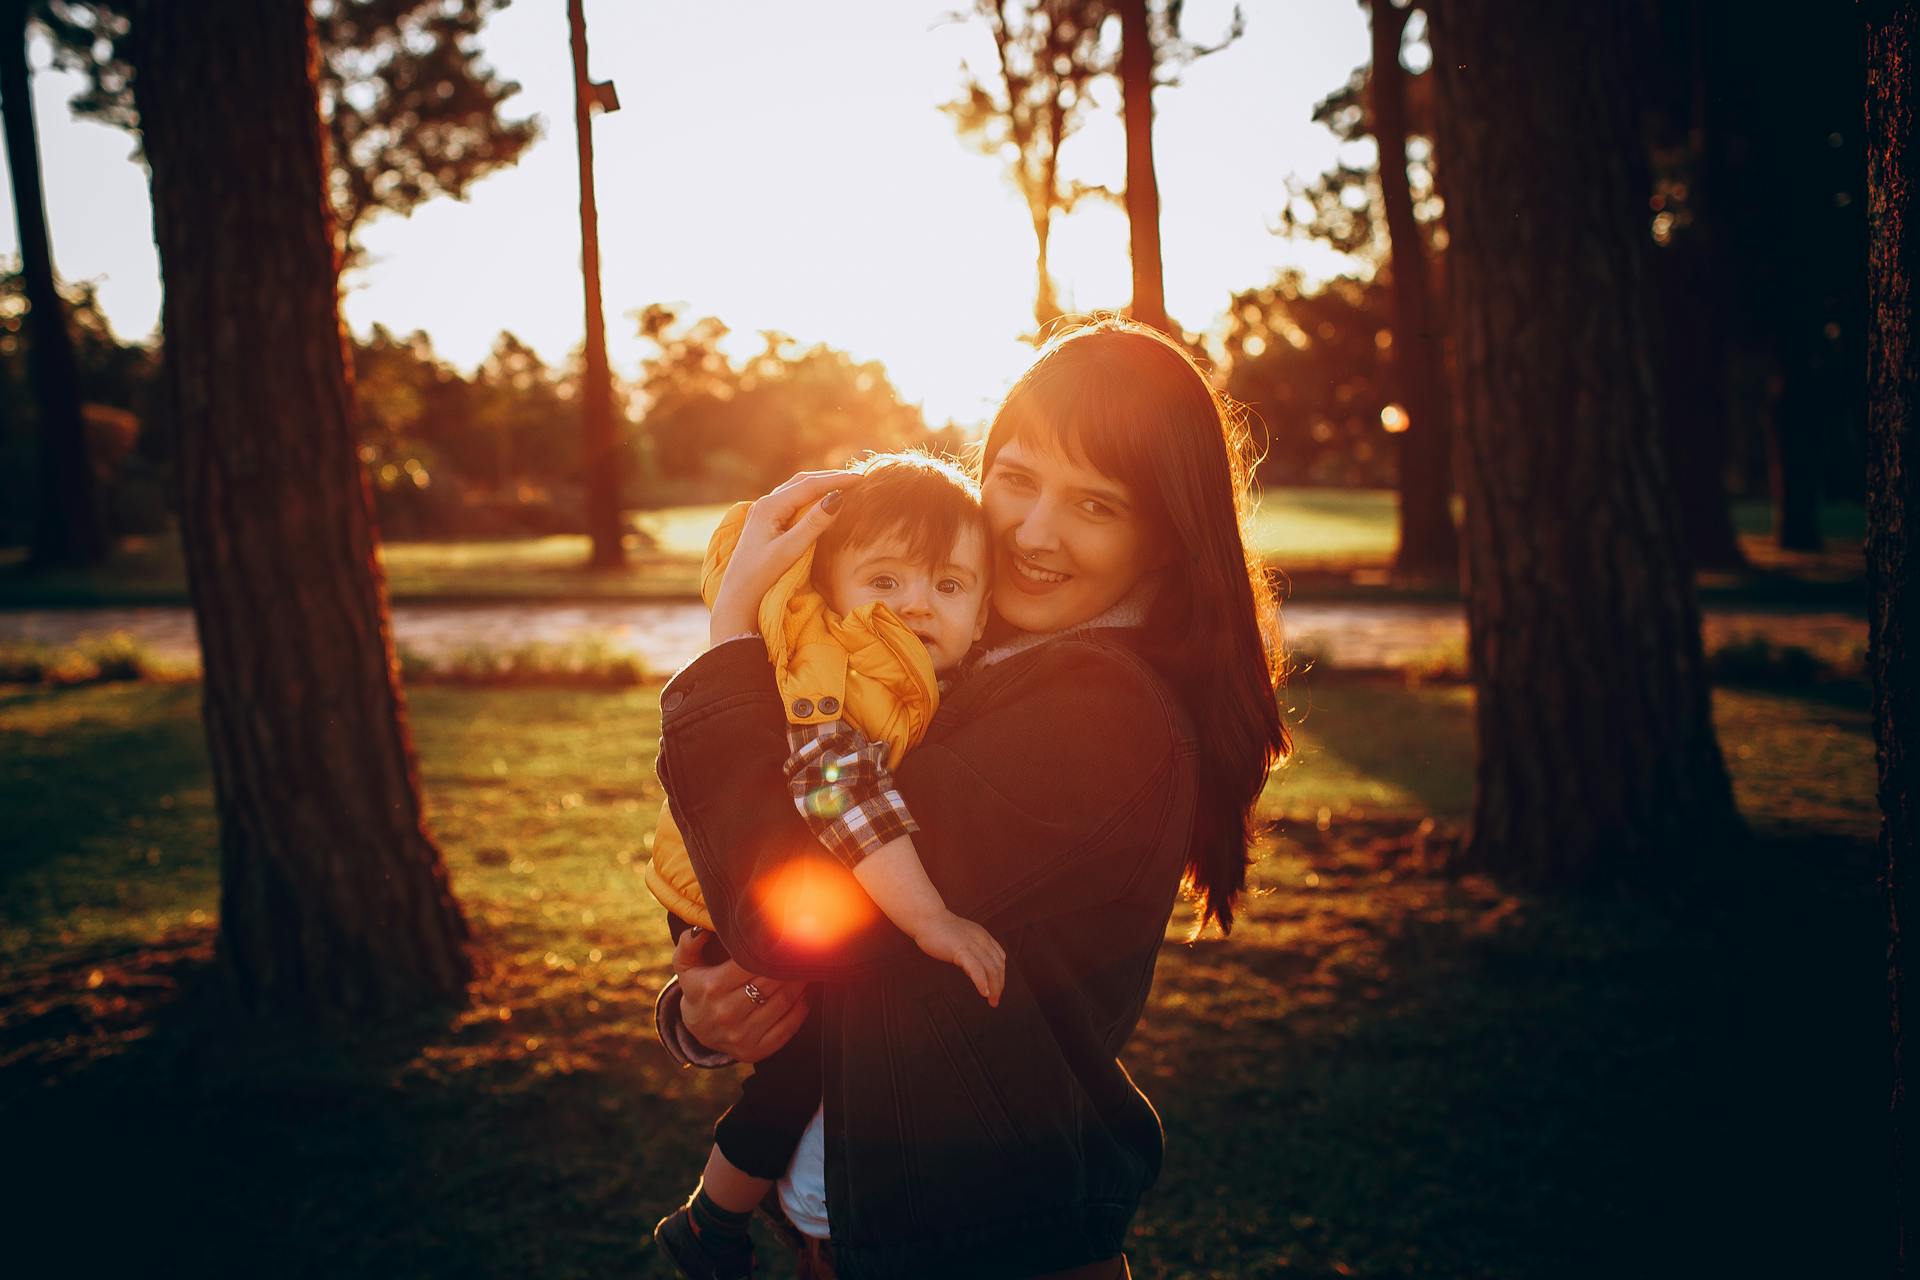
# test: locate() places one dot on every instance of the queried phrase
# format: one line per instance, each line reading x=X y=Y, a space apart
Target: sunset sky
x=786 y=166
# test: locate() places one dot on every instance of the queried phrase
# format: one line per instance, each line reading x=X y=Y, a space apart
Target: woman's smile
x=1070 y=538
x=1030 y=577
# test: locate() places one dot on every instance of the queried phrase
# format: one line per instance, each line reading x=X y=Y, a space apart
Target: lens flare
x=815 y=903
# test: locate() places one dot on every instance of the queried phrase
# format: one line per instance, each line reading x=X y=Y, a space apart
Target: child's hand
x=964 y=943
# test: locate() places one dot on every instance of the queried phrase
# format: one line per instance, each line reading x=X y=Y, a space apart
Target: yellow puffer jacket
x=866 y=668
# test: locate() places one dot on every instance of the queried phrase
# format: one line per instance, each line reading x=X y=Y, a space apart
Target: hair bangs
x=922 y=503
x=1119 y=404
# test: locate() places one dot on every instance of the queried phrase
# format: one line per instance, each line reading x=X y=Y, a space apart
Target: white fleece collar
x=1129 y=611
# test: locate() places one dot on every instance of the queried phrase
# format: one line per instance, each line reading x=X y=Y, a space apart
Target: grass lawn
x=1384 y=1072
x=1300 y=531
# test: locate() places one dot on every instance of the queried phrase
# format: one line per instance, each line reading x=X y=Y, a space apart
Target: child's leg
x=731 y=1188
x=753 y=1144
x=757 y=1135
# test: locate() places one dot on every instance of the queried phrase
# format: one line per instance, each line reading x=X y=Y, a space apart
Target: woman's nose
x=1036 y=531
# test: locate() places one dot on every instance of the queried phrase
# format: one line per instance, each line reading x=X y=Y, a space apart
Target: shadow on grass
x=164 y=1133
x=1387 y=1071
x=1388 y=1074
x=1383 y=734
x=93 y=764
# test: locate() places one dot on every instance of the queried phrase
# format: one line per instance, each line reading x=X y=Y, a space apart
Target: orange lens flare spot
x=816 y=902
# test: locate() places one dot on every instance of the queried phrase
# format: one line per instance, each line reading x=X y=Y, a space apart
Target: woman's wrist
x=717 y=637
x=729 y=621
x=676 y=1037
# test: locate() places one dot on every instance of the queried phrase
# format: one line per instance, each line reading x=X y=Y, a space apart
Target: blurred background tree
x=123 y=429
x=1756 y=349
x=1387 y=214
x=1048 y=53
x=66 y=529
x=719 y=430
x=411 y=111
x=1787 y=294
x=1310 y=364
x=1152 y=50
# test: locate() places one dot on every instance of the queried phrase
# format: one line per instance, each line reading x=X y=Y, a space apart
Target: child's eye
x=884 y=582
x=949 y=586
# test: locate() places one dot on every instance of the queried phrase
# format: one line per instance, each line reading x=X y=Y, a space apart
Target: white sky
x=781 y=170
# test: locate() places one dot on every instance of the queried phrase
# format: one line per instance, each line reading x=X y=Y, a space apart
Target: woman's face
x=1068 y=541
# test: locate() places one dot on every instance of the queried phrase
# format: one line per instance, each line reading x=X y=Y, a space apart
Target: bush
x=94 y=660
x=587 y=663
x=1758 y=660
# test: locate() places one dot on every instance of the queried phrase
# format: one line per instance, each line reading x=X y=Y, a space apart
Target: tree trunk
x=1046 y=303
x=1793 y=462
x=1893 y=507
x=1143 y=188
x=67 y=530
x=1692 y=364
x=1597 y=757
x=1428 y=547
x=599 y=455
x=1695 y=306
x=333 y=896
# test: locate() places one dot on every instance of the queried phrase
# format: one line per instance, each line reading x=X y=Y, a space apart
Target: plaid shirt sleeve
x=840 y=783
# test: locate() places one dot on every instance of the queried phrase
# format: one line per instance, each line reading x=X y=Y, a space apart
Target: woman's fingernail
x=831 y=503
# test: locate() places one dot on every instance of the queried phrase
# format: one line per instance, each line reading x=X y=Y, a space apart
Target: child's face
x=944 y=604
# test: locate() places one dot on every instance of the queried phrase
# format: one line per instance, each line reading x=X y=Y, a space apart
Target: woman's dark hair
x=1135 y=406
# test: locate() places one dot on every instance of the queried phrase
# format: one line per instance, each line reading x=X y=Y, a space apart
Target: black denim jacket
x=1055 y=793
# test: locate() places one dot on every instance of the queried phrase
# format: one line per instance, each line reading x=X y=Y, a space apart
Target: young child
x=859 y=630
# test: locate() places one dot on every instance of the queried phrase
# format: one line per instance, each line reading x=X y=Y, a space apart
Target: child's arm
x=898 y=884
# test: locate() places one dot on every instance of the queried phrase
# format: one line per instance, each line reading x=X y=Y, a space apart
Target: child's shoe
x=692 y=1254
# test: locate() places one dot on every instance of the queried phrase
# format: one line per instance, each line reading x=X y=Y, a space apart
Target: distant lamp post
x=600 y=458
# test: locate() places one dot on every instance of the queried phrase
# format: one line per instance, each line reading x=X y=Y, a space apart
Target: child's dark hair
x=924 y=501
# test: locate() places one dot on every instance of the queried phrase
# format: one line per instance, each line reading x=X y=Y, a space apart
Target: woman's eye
x=1014 y=478
x=885 y=582
x=1093 y=507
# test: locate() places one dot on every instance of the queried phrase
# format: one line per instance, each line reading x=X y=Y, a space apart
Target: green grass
x=1301 y=531
x=665 y=564
x=1384 y=1072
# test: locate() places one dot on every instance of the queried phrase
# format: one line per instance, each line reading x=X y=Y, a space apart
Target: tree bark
x=1046 y=302
x=67 y=530
x=1693 y=374
x=1597 y=756
x=333 y=896
x=1694 y=299
x=1428 y=547
x=1893 y=506
x=1143 y=188
x=599 y=455
x=1793 y=461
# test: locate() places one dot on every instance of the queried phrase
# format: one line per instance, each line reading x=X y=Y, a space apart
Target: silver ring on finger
x=754 y=993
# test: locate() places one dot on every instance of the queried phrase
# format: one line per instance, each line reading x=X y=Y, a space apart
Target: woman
x=1112 y=740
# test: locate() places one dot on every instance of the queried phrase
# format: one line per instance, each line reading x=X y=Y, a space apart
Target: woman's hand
x=779 y=527
x=716 y=1008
